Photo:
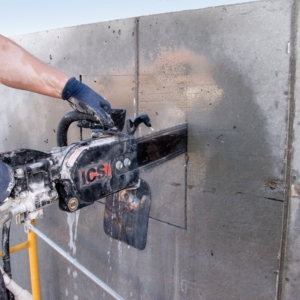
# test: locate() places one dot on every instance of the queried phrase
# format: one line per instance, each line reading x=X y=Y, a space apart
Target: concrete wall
x=224 y=218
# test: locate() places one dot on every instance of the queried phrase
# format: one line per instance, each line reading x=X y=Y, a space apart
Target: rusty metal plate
x=126 y=215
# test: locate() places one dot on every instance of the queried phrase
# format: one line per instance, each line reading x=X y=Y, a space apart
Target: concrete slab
x=34 y=119
x=212 y=68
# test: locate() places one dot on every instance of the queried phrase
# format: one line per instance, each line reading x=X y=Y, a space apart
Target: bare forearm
x=21 y=70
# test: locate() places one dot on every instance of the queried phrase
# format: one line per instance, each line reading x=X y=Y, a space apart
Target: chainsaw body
x=93 y=169
x=104 y=166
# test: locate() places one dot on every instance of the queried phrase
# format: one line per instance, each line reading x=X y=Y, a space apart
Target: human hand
x=83 y=99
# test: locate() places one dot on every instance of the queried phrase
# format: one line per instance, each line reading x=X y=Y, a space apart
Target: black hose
x=64 y=124
x=117 y=115
x=6 y=255
x=3 y=290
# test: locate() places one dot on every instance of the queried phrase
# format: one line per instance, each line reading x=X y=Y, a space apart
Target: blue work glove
x=83 y=99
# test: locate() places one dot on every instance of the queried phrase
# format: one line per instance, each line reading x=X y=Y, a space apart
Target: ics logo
x=94 y=174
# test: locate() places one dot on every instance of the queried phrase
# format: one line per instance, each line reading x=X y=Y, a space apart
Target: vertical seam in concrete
x=186 y=159
x=185 y=191
x=80 y=128
x=137 y=65
x=290 y=136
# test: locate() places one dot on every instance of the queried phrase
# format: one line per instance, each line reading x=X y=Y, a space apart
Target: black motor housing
x=96 y=168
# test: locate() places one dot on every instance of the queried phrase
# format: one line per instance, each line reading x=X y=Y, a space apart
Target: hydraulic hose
x=19 y=293
x=64 y=124
x=117 y=115
x=6 y=255
x=4 y=218
x=3 y=292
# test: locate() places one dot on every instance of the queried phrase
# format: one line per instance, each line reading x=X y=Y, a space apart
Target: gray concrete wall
x=224 y=218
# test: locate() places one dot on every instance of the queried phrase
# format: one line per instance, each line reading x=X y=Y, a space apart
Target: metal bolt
x=20 y=172
x=119 y=165
x=127 y=162
x=73 y=204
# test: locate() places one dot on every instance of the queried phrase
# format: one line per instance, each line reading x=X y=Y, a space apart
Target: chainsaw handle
x=64 y=124
x=118 y=116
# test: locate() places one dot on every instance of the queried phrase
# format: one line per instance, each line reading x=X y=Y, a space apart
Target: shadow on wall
x=229 y=170
x=230 y=201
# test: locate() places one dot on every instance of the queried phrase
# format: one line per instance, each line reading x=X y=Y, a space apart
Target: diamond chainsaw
x=107 y=165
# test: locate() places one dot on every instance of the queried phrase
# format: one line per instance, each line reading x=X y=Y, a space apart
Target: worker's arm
x=21 y=70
